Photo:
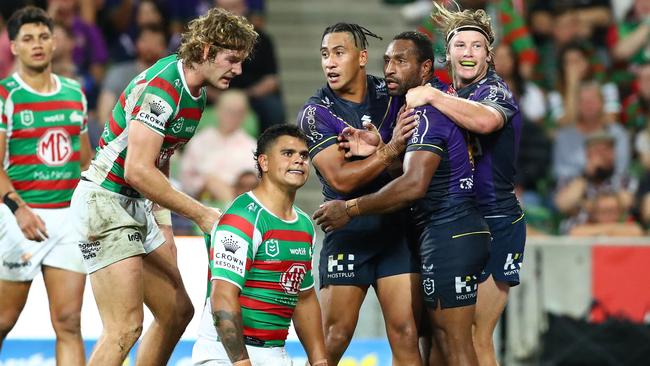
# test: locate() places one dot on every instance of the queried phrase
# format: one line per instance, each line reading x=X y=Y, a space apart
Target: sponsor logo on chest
x=54 y=148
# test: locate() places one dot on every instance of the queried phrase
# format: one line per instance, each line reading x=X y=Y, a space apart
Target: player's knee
x=339 y=334
x=405 y=333
x=125 y=335
x=185 y=312
x=7 y=323
x=66 y=323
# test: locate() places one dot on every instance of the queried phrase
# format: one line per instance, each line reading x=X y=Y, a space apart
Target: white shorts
x=212 y=353
x=22 y=259
x=110 y=227
x=208 y=351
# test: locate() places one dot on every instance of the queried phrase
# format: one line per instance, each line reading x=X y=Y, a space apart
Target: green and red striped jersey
x=269 y=259
x=42 y=156
x=158 y=97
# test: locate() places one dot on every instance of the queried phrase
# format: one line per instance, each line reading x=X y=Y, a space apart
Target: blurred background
x=580 y=70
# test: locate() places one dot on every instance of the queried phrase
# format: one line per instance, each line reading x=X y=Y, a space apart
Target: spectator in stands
x=630 y=39
x=62 y=60
x=245 y=182
x=575 y=67
x=530 y=97
x=151 y=45
x=573 y=197
x=259 y=78
x=569 y=157
x=90 y=53
x=216 y=156
x=121 y=21
x=636 y=108
x=607 y=217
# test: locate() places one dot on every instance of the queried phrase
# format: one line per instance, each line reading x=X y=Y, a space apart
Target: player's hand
x=32 y=226
x=405 y=126
x=331 y=215
x=208 y=219
x=359 y=142
x=420 y=95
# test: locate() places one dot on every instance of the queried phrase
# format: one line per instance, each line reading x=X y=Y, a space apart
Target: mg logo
x=291 y=279
x=54 y=148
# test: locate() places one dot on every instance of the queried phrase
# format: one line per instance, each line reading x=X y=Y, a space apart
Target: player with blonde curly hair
x=120 y=209
x=486 y=107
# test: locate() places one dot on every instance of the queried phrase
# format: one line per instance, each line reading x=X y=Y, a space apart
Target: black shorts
x=453 y=255
x=368 y=248
x=506 y=249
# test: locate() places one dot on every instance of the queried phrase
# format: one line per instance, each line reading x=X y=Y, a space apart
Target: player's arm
x=85 y=151
x=470 y=115
x=29 y=222
x=228 y=278
x=343 y=175
x=141 y=172
x=309 y=327
x=419 y=167
x=227 y=318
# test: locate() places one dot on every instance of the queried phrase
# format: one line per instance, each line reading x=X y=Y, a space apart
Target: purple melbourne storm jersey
x=325 y=115
x=450 y=194
x=496 y=155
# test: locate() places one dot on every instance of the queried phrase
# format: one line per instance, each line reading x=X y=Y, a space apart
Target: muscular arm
x=226 y=314
x=141 y=173
x=85 y=151
x=345 y=176
x=419 y=167
x=470 y=115
x=307 y=322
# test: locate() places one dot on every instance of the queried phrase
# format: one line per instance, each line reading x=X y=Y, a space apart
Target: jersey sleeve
x=320 y=126
x=432 y=132
x=157 y=105
x=498 y=97
x=232 y=247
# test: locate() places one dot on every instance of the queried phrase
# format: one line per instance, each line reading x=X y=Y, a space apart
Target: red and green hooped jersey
x=269 y=259
x=159 y=98
x=42 y=155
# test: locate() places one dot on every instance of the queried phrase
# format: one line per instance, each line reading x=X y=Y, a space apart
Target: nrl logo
x=272 y=247
x=177 y=126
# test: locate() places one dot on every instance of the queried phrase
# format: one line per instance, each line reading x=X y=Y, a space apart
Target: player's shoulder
x=70 y=84
x=305 y=220
x=7 y=85
x=245 y=206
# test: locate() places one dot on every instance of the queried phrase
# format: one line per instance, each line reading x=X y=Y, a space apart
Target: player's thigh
x=340 y=304
x=118 y=291
x=405 y=287
x=13 y=296
x=490 y=303
x=64 y=291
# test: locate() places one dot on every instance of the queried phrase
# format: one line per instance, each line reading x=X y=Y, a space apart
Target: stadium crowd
x=580 y=71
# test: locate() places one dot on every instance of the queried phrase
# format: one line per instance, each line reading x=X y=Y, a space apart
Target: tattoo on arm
x=231 y=332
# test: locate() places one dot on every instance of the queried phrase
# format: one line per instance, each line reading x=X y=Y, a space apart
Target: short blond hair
x=219 y=29
x=450 y=20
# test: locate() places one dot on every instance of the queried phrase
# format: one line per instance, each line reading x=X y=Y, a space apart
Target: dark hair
x=154 y=29
x=358 y=33
x=422 y=44
x=27 y=15
x=270 y=135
